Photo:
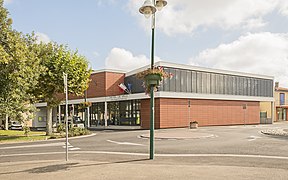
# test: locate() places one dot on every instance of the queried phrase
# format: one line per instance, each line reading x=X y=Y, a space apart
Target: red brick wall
x=111 y=83
x=103 y=84
x=171 y=113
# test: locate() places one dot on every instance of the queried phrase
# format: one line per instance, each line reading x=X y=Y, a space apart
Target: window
x=282 y=99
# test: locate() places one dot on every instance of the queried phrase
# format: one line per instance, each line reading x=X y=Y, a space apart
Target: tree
x=19 y=70
x=58 y=59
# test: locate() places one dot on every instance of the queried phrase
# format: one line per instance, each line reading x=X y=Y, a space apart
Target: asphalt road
x=241 y=152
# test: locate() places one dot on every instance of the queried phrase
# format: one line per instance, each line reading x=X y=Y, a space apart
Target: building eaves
x=202 y=69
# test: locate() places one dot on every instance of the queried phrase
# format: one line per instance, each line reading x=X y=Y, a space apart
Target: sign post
x=66 y=113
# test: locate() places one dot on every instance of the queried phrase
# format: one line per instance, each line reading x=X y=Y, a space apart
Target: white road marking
x=70 y=147
x=35 y=145
x=125 y=143
x=158 y=155
x=252 y=138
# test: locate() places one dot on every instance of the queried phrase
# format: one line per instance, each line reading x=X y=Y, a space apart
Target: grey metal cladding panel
x=225 y=79
x=271 y=88
x=252 y=87
x=206 y=83
x=246 y=88
x=178 y=80
x=189 y=81
x=199 y=82
x=237 y=80
x=172 y=83
x=183 y=81
x=209 y=83
x=266 y=88
x=229 y=85
x=239 y=86
x=256 y=87
x=136 y=84
x=219 y=84
x=194 y=81
x=234 y=86
x=213 y=83
x=259 y=87
x=262 y=84
x=166 y=81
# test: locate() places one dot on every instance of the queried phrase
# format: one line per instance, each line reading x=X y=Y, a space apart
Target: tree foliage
x=19 y=69
x=58 y=59
x=31 y=72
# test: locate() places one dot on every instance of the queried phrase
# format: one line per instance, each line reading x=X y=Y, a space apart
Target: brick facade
x=103 y=84
x=171 y=113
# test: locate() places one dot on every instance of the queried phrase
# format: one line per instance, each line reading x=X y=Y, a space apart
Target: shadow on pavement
x=68 y=166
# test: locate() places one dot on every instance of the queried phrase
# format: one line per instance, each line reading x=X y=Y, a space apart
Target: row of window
x=213 y=83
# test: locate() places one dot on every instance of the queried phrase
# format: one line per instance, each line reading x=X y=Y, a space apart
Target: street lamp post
x=149 y=9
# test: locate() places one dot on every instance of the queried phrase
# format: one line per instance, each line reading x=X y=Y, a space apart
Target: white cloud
x=124 y=60
x=283 y=7
x=262 y=53
x=185 y=16
x=96 y=54
x=102 y=2
x=8 y=1
x=41 y=37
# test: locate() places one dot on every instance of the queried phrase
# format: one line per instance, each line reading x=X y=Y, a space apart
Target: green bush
x=26 y=130
x=60 y=128
x=76 y=131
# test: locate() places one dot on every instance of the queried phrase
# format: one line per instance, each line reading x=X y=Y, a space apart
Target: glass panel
x=282 y=99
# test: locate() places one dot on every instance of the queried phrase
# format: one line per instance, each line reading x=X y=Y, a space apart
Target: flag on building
x=123 y=88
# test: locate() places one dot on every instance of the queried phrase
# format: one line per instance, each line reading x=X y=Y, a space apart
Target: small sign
x=244 y=106
x=189 y=103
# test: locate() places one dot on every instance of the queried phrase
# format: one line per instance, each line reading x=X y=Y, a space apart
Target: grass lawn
x=18 y=136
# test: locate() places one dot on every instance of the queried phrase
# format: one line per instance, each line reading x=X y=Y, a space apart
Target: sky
x=239 y=35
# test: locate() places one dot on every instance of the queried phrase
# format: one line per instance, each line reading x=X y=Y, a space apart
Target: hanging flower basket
x=153 y=78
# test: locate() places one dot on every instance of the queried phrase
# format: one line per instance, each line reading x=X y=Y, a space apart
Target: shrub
x=76 y=131
x=26 y=130
x=60 y=128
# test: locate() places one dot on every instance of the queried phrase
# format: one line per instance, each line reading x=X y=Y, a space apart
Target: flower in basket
x=83 y=105
x=153 y=77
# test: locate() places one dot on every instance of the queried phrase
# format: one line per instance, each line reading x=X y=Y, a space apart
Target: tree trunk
x=6 y=122
x=49 y=121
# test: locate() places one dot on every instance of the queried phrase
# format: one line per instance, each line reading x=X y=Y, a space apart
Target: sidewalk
x=132 y=169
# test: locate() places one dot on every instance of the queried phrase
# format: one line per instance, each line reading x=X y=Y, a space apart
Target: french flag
x=123 y=88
